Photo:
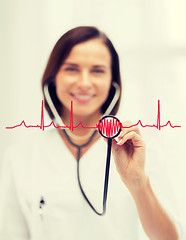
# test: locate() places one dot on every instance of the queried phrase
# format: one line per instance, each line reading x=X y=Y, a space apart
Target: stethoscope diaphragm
x=109 y=126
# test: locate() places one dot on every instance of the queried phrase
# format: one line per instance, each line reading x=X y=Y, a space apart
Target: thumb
x=115 y=146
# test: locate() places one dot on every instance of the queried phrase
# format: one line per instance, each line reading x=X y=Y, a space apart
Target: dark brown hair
x=61 y=51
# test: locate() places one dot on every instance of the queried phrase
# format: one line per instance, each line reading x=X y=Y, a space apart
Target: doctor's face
x=85 y=78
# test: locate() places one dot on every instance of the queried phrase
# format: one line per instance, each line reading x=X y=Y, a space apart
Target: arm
x=129 y=155
x=154 y=219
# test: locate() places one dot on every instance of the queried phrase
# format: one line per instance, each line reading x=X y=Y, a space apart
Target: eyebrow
x=71 y=64
x=76 y=65
x=98 y=66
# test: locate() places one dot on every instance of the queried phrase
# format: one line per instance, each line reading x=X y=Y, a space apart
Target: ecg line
x=42 y=125
x=109 y=127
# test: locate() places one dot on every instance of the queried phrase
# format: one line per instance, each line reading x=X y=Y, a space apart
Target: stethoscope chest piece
x=109 y=126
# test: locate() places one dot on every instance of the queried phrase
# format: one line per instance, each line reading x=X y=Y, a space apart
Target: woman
x=44 y=198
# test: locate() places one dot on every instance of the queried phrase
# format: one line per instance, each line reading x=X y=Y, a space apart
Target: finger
x=137 y=140
x=128 y=127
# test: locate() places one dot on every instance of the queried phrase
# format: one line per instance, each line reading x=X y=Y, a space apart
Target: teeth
x=83 y=97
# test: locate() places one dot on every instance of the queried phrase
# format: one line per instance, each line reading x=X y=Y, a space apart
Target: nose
x=84 y=81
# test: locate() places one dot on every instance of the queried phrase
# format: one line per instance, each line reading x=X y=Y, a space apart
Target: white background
x=150 y=38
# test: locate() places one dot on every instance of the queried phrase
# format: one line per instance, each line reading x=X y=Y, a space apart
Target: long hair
x=61 y=51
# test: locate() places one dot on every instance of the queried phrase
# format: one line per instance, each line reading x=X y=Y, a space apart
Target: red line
x=158 y=117
x=102 y=124
x=42 y=116
x=104 y=129
x=71 y=117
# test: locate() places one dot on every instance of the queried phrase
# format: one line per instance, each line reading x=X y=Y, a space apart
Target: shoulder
x=21 y=153
x=24 y=159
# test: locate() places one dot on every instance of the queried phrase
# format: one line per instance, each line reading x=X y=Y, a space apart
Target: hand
x=129 y=156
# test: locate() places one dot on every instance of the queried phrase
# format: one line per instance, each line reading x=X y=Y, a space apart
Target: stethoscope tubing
x=59 y=122
x=107 y=169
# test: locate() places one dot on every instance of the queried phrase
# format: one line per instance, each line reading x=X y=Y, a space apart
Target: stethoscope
x=109 y=127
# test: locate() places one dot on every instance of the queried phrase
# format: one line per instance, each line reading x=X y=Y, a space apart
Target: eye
x=71 y=69
x=98 y=71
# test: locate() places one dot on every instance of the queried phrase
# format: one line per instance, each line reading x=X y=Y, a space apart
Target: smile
x=82 y=98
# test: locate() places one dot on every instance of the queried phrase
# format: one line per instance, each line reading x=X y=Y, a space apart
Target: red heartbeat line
x=109 y=127
x=42 y=126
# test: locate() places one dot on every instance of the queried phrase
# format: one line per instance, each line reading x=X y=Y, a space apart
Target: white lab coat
x=44 y=167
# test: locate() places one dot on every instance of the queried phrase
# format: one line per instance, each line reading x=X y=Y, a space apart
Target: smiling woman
x=85 y=78
x=41 y=198
x=87 y=57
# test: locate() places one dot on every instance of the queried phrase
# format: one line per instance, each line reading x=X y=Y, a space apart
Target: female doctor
x=40 y=197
